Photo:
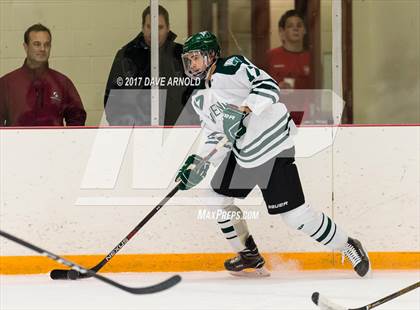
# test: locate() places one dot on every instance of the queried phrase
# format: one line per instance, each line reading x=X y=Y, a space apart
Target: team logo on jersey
x=55 y=96
x=234 y=61
x=216 y=110
x=199 y=102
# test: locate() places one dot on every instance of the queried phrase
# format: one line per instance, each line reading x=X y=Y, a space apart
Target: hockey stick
x=134 y=290
x=62 y=274
x=325 y=304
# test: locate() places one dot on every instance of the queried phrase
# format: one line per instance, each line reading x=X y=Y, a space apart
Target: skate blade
x=251 y=273
x=368 y=274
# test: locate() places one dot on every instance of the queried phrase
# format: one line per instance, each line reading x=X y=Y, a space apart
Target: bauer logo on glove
x=233 y=125
x=192 y=172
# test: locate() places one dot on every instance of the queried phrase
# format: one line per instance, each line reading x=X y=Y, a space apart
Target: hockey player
x=240 y=101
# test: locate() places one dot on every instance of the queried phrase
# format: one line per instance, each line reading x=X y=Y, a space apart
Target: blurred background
x=380 y=47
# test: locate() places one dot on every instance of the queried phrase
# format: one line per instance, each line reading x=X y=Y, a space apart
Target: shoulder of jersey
x=230 y=65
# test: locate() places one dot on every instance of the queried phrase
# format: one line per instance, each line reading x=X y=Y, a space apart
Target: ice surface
x=211 y=290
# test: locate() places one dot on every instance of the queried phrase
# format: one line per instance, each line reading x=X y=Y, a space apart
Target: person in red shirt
x=35 y=95
x=289 y=64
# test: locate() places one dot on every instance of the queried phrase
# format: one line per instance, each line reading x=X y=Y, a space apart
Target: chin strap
x=210 y=69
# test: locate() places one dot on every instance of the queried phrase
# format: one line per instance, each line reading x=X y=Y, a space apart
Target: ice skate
x=358 y=257
x=249 y=262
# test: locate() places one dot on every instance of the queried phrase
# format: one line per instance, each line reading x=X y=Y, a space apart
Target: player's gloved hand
x=192 y=172
x=233 y=125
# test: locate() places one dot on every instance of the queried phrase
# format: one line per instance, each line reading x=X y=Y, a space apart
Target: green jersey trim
x=230 y=65
x=263 y=140
x=260 y=93
x=241 y=159
x=255 y=83
x=265 y=132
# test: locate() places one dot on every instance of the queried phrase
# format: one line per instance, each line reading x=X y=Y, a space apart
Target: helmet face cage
x=203 y=49
x=202 y=57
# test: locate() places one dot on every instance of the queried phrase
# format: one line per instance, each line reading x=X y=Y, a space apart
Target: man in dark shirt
x=127 y=94
x=35 y=95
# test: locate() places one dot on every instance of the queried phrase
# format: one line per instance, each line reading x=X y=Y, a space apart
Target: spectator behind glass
x=290 y=63
x=35 y=95
x=127 y=95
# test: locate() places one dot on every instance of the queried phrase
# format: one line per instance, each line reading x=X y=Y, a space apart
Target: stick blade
x=168 y=283
x=59 y=274
x=63 y=274
x=324 y=303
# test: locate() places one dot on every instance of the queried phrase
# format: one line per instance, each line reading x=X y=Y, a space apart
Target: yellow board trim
x=206 y=262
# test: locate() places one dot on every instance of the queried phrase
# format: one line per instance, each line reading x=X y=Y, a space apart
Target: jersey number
x=252 y=73
x=199 y=102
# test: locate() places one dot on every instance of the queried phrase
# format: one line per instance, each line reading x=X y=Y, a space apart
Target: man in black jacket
x=127 y=94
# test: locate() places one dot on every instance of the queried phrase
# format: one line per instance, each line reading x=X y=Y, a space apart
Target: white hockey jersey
x=238 y=82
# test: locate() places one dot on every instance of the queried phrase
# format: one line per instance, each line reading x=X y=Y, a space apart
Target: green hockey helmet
x=200 y=51
x=202 y=41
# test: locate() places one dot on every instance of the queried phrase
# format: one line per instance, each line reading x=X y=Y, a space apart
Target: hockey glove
x=192 y=172
x=233 y=125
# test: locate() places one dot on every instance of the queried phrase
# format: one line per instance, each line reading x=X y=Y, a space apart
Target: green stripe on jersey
x=238 y=157
x=264 y=81
x=264 y=142
x=265 y=132
x=230 y=65
x=264 y=95
x=269 y=88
